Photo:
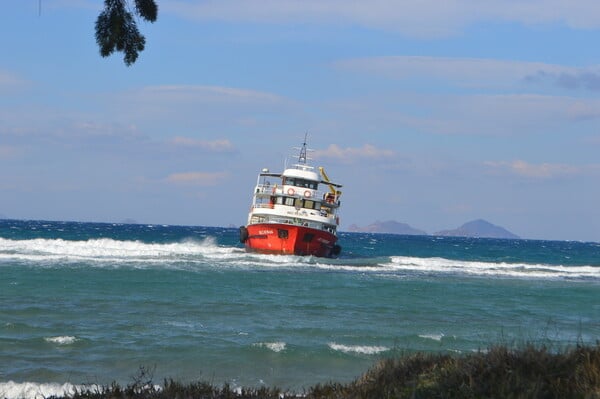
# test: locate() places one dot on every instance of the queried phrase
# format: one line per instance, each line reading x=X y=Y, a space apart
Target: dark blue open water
x=91 y=303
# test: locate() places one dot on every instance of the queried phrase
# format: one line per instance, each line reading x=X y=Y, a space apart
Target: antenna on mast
x=302 y=156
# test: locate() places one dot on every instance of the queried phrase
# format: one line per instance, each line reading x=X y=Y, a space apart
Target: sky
x=429 y=113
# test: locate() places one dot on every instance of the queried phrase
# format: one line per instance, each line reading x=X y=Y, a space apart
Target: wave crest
x=107 y=252
x=32 y=390
x=358 y=349
x=61 y=340
x=103 y=250
x=273 y=346
x=500 y=269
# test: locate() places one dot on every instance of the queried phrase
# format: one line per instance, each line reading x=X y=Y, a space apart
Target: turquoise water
x=85 y=303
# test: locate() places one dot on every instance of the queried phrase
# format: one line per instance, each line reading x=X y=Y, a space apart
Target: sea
x=89 y=304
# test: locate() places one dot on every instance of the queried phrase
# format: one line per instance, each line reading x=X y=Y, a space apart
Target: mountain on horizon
x=390 y=227
x=479 y=229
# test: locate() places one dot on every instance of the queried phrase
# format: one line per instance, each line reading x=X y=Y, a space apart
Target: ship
x=294 y=212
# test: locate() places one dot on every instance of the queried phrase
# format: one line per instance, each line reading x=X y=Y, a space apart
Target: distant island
x=477 y=228
x=389 y=226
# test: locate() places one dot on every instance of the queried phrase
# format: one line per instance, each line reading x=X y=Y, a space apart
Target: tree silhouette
x=116 y=28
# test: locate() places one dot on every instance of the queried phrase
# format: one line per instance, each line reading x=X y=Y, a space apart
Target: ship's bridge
x=305 y=172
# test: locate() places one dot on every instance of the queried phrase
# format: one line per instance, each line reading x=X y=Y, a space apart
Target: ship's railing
x=266 y=206
x=323 y=216
x=324 y=212
x=265 y=190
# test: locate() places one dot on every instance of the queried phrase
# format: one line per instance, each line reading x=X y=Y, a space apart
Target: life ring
x=291 y=191
x=307 y=194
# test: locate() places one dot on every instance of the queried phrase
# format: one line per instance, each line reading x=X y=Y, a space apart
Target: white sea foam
x=441 y=265
x=435 y=337
x=274 y=346
x=61 y=340
x=108 y=250
x=32 y=390
x=360 y=349
x=112 y=253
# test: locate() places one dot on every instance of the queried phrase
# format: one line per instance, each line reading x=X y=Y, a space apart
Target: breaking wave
x=273 y=346
x=32 y=390
x=106 y=252
x=61 y=340
x=501 y=269
x=358 y=349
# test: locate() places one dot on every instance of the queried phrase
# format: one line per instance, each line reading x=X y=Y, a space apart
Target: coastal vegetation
x=499 y=372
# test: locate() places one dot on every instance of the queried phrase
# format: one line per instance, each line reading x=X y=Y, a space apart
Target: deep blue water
x=91 y=303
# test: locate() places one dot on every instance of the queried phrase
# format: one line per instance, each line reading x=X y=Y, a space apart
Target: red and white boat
x=294 y=212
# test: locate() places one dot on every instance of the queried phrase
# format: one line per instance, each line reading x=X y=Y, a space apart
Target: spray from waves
x=358 y=349
x=273 y=346
x=61 y=340
x=32 y=390
x=106 y=250
x=434 y=337
x=501 y=269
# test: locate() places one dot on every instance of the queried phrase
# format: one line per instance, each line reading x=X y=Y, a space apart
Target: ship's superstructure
x=294 y=212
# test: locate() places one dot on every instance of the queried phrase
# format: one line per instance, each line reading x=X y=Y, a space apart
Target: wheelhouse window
x=298 y=202
x=294 y=181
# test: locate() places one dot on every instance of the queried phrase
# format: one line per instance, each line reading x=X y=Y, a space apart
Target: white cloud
x=583 y=109
x=184 y=93
x=514 y=115
x=186 y=108
x=214 y=145
x=534 y=171
x=419 y=18
x=350 y=154
x=10 y=81
x=7 y=151
x=511 y=114
x=475 y=72
x=197 y=178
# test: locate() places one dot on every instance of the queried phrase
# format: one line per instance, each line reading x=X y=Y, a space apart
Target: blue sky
x=430 y=113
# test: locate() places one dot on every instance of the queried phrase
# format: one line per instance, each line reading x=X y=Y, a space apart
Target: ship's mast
x=302 y=156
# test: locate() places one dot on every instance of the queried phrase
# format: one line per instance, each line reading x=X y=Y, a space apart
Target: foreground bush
x=498 y=373
x=530 y=372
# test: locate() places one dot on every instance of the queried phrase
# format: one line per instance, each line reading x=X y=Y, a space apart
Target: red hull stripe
x=289 y=239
